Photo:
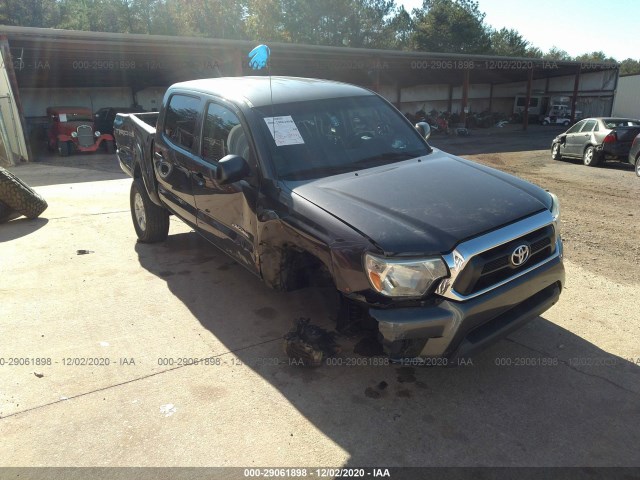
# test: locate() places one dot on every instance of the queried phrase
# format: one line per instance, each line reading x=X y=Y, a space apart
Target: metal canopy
x=62 y=58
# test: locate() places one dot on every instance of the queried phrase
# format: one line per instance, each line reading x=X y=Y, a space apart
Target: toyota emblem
x=520 y=255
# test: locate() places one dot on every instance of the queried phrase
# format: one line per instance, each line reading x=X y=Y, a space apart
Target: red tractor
x=71 y=129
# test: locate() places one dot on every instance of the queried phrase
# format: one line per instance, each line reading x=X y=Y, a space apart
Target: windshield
x=620 y=122
x=75 y=117
x=330 y=136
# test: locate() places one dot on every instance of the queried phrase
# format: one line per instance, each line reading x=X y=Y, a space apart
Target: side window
x=533 y=102
x=223 y=134
x=180 y=120
x=576 y=127
x=588 y=126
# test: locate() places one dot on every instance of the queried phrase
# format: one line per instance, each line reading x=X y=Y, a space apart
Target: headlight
x=555 y=211
x=74 y=134
x=97 y=133
x=403 y=278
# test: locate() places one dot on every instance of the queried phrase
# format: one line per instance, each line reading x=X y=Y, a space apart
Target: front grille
x=85 y=136
x=494 y=266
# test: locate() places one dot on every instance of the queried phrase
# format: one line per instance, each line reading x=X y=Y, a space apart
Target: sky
x=577 y=26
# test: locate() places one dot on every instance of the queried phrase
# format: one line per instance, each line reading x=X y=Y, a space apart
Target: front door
x=226 y=214
x=572 y=140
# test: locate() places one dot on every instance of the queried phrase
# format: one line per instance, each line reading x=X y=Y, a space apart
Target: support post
x=465 y=98
x=525 y=118
x=574 y=99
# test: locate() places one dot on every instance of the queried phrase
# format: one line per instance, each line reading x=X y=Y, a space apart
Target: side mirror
x=231 y=169
x=424 y=129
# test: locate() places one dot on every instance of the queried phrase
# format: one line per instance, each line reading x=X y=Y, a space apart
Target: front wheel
x=555 y=152
x=63 y=149
x=566 y=123
x=150 y=221
x=638 y=165
x=591 y=158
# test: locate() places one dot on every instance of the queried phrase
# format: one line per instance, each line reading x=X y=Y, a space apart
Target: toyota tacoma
x=303 y=179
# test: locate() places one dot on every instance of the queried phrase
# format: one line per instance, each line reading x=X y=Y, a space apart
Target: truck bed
x=134 y=134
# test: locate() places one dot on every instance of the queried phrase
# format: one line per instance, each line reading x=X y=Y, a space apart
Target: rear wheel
x=638 y=165
x=545 y=122
x=150 y=221
x=555 y=152
x=590 y=157
x=566 y=123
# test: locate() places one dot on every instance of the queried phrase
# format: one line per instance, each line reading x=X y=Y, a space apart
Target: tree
x=452 y=26
x=629 y=67
x=508 y=43
x=401 y=29
x=354 y=23
x=595 y=57
x=555 y=53
x=30 y=13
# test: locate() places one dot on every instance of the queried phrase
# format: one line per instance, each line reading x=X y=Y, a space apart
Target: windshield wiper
x=388 y=157
x=368 y=162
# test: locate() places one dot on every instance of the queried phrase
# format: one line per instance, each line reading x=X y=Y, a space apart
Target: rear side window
x=223 y=134
x=588 y=126
x=576 y=127
x=180 y=120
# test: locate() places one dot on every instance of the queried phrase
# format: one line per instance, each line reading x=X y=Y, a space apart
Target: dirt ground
x=599 y=206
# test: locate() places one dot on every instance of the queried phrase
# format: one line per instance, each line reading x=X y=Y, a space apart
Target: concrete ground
x=75 y=285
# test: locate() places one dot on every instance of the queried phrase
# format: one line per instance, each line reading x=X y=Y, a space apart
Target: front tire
x=555 y=152
x=150 y=221
x=590 y=157
x=638 y=166
x=64 y=149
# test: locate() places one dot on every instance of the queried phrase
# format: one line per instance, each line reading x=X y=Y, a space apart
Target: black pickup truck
x=302 y=179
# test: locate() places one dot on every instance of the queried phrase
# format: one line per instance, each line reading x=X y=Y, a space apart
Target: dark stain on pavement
x=267 y=313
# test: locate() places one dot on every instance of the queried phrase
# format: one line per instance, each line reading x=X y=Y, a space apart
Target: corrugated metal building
x=627 y=99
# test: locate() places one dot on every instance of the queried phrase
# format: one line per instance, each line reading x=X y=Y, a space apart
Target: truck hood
x=424 y=206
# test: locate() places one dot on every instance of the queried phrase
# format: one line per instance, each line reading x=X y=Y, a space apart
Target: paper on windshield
x=284 y=131
x=63 y=117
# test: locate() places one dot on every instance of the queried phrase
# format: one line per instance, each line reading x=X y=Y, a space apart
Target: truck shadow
x=543 y=396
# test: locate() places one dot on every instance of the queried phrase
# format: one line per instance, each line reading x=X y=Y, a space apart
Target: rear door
x=226 y=214
x=584 y=137
x=176 y=152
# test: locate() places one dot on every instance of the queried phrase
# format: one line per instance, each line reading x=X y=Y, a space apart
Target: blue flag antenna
x=259 y=57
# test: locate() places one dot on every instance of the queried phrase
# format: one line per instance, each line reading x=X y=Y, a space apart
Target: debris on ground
x=38 y=374
x=309 y=344
x=168 y=409
x=377 y=391
x=84 y=252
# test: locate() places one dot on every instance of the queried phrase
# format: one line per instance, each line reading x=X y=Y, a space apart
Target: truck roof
x=262 y=91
